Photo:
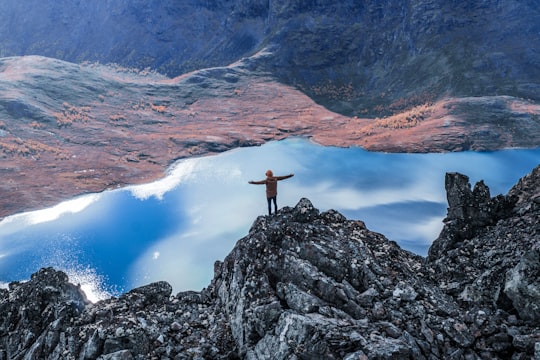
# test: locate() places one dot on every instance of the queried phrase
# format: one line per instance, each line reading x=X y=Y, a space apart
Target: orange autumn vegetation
x=405 y=120
x=71 y=114
x=13 y=146
x=158 y=108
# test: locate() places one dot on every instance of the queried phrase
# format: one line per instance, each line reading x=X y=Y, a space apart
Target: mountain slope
x=356 y=58
x=418 y=76
x=305 y=284
x=68 y=129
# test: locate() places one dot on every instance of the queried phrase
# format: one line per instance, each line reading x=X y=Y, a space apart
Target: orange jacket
x=271 y=184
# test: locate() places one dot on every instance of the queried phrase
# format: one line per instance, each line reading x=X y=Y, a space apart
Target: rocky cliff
x=310 y=285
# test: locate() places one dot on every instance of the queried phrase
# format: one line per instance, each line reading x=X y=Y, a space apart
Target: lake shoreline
x=37 y=197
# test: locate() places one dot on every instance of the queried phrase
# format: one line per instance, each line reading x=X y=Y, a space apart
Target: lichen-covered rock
x=483 y=238
x=523 y=286
x=274 y=62
x=468 y=212
x=309 y=285
x=49 y=318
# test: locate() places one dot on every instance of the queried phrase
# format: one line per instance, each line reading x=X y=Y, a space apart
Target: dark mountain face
x=354 y=57
x=171 y=36
x=399 y=55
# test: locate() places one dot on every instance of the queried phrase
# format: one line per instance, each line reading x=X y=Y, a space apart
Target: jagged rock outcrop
x=522 y=285
x=310 y=285
x=34 y=314
x=145 y=323
x=316 y=285
x=468 y=212
x=488 y=246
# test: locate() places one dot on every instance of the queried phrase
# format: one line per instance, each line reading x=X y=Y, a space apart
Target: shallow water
x=174 y=229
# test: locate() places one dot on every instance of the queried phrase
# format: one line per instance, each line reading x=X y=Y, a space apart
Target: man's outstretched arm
x=284 y=177
x=262 y=182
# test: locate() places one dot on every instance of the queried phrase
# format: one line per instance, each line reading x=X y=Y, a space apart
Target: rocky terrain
x=309 y=285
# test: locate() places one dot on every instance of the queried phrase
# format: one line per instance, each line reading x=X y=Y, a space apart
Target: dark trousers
x=270 y=199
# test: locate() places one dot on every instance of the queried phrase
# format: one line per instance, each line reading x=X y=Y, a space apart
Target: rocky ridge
x=310 y=285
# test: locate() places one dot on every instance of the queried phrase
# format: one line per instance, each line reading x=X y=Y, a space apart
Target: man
x=271 y=188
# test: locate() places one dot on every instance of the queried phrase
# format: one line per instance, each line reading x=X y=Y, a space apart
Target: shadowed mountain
x=356 y=58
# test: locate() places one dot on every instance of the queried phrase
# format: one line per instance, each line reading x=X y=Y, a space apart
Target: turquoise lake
x=176 y=228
